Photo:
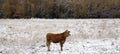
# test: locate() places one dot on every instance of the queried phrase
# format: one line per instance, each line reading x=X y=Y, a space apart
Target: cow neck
x=63 y=35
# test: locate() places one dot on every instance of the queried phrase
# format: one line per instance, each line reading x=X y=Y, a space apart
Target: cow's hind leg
x=48 y=45
x=61 y=45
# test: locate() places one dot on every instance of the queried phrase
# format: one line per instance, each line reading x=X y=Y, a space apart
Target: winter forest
x=60 y=9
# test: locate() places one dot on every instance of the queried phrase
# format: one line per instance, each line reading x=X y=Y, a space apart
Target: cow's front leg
x=61 y=45
x=48 y=45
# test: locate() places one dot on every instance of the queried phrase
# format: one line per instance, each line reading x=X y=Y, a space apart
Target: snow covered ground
x=88 y=36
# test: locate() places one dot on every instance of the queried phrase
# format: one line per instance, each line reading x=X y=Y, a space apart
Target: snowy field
x=88 y=36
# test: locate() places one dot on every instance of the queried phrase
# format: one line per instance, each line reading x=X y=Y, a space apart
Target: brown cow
x=57 y=38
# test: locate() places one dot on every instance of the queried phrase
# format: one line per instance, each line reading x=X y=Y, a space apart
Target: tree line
x=59 y=8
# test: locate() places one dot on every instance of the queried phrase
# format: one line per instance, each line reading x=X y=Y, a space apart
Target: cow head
x=67 y=33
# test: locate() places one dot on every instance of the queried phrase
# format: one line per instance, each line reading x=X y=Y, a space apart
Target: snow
x=88 y=36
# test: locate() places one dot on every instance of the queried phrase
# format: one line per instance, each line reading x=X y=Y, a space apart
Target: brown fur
x=57 y=38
